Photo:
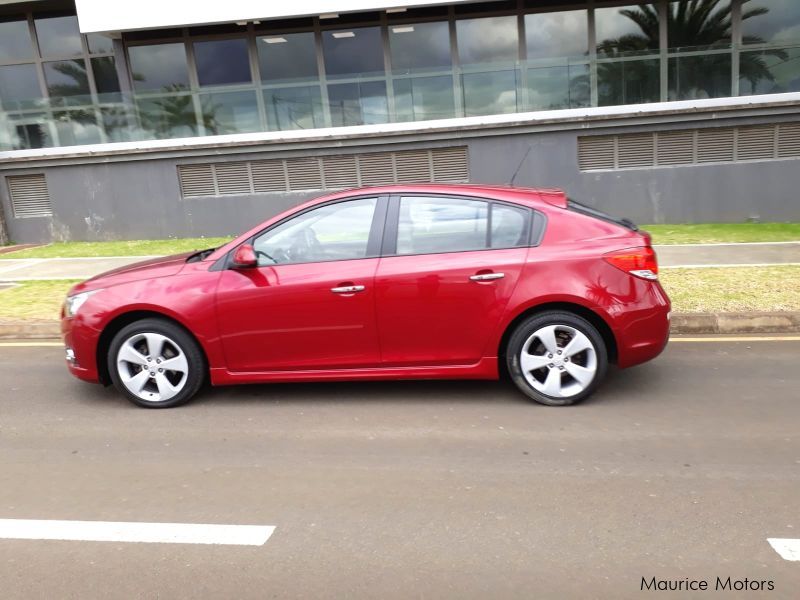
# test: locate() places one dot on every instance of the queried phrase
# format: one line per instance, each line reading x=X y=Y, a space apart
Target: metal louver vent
x=755 y=143
x=715 y=145
x=689 y=147
x=596 y=152
x=268 y=176
x=637 y=151
x=196 y=180
x=674 y=147
x=450 y=165
x=304 y=173
x=788 y=140
x=232 y=178
x=29 y=196
x=446 y=165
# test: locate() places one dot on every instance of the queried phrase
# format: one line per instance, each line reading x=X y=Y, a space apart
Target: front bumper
x=80 y=347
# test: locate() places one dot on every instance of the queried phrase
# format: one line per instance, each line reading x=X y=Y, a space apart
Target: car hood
x=145 y=269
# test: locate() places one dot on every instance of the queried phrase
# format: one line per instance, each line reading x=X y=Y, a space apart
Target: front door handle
x=487 y=276
x=348 y=289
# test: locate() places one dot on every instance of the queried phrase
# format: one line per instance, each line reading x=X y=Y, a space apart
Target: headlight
x=73 y=303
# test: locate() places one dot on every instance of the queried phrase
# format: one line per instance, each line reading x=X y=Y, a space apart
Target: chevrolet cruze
x=397 y=282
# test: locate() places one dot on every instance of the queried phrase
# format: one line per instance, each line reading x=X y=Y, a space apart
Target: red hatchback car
x=396 y=282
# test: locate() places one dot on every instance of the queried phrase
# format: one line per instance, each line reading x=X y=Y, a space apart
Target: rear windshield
x=590 y=211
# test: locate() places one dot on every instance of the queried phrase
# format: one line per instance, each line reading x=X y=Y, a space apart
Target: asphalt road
x=679 y=468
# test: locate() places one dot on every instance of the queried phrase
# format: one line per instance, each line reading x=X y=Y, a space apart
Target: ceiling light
x=275 y=40
x=396 y=10
x=343 y=34
x=407 y=29
x=329 y=16
x=241 y=23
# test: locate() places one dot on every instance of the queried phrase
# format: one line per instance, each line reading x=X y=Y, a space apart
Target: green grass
x=129 y=248
x=733 y=289
x=34 y=299
x=739 y=289
x=708 y=233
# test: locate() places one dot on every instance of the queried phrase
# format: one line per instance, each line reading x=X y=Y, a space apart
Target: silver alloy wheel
x=152 y=366
x=559 y=361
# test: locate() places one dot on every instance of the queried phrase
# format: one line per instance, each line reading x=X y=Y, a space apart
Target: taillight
x=639 y=262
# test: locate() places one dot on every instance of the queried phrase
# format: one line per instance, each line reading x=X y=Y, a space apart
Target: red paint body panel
x=418 y=316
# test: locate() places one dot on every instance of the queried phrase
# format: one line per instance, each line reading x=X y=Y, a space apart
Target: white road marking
x=155 y=533
x=733 y=338
x=725 y=244
x=728 y=266
x=789 y=549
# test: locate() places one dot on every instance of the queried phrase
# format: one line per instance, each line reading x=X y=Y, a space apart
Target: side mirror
x=244 y=257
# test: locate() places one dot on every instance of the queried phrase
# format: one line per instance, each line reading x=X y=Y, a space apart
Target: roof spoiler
x=555 y=197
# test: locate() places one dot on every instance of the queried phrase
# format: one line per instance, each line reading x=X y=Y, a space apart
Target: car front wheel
x=556 y=358
x=155 y=364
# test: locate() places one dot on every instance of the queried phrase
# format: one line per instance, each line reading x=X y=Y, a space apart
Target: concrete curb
x=696 y=323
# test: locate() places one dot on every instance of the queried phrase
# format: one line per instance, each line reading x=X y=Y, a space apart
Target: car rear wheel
x=556 y=358
x=156 y=364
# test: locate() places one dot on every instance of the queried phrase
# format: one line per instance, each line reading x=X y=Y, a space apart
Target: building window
x=19 y=87
x=59 y=36
x=356 y=52
x=288 y=58
x=15 y=40
x=159 y=67
x=222 y=62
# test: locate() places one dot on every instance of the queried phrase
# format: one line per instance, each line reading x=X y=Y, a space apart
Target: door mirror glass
x=244 y=257
x=337 y=231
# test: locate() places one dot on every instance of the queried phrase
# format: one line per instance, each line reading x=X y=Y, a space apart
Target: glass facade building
x=61 y=88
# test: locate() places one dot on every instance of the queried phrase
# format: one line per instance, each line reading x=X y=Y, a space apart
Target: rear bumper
x=643 y=333
x=81 y=342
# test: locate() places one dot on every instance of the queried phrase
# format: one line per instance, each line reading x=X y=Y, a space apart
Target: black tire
x=527 y=328
x=194 y=377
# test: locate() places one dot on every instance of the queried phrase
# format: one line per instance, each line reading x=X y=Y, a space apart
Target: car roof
x=530 y=196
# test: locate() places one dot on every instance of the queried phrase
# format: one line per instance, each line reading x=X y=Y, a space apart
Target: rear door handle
x=487 y=276
x=348 y=289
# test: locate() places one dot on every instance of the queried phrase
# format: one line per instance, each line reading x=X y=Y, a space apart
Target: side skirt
x=486 y=368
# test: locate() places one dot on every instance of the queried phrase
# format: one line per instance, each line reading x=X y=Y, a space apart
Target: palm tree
x=696 y=24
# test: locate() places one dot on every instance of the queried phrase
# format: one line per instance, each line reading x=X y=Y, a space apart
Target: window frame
x=374 y=241
x=535 y=223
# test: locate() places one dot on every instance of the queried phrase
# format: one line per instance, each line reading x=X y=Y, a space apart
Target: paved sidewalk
x=692 y=256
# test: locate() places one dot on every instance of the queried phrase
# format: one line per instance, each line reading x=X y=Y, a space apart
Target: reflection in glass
x=424 y=98
x=59 y=36
x=67 y=81
x=771 y=21
x=487 y=39
x=490 y=93
x=294 y=108
x=77 y=127
x=557 y=34
x=357 y=51
x=508 y=226
x=420 y=46
x=105 y=79
x=692 y=25
x=769 y=71
x=15 y=41
x=20 y=132
x=551 y=88
x=287 y=57
x=99 y=44
x=222 y=62
x=116 y=123
x=19 y=87
x=361 y=103
x=158 y=67
x=627 y=30
x=693 y=77
x=628 y=82
x=230 y=112
x=435 y=225
x=168 y=116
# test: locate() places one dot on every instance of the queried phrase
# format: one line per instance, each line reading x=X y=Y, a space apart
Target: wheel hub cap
x=559 y=361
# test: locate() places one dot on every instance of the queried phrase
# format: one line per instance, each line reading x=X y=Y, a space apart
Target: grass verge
x=733 y=289
x=34 y=299
x=711 y=233
x=126 y=248
x=691 y=290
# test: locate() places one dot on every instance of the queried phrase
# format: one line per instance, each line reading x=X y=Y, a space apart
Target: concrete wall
x=137 y=196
